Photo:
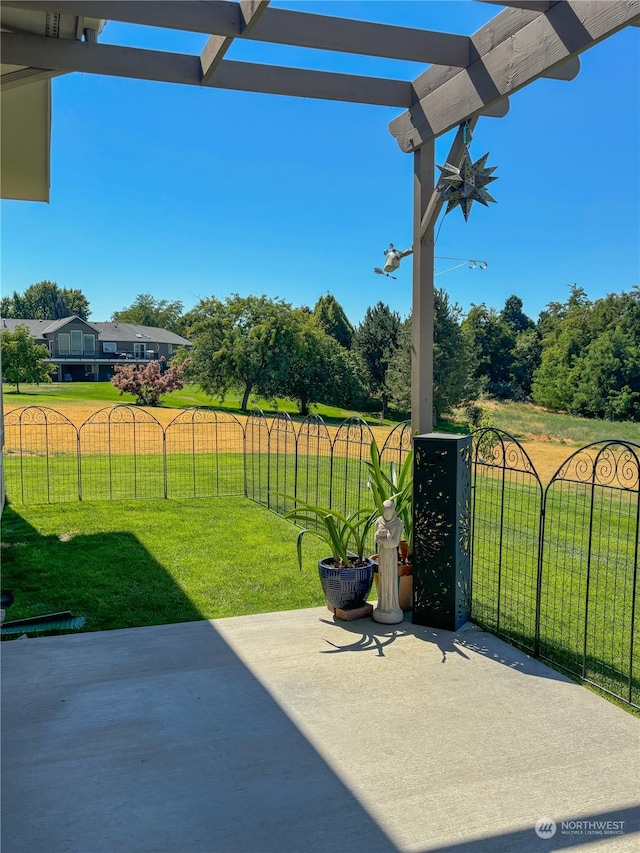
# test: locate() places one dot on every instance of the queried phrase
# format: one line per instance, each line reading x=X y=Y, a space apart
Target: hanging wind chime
x=466 y=184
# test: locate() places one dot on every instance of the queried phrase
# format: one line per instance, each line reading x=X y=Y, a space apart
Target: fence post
x=442 y=518
x=79 y=455
x=164 y=463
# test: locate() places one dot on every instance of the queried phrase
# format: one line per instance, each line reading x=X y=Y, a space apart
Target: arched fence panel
x=506 y=505
x=313 y=472
x=122 y=455
x=351 y=448
x=588 y=603
x=282 y=463
x=398 y=445
x=257 y=457
x=41 y=456
x=204 y=454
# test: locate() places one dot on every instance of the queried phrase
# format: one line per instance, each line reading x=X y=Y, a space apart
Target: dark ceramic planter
x=346 y=588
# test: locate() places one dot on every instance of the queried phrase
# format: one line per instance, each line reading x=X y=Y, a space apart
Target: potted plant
x=397 y=486
x=346 y=575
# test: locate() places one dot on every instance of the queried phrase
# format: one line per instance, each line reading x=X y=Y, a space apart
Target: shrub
x=149 y=382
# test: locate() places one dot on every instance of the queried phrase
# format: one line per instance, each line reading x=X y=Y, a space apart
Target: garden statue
x=388 y=535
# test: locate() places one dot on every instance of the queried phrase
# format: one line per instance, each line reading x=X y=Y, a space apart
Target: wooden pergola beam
x=531 y=5
x=62 y=55
x=277 y=26
x=364 y=38
x=216 y=47
x=569 y=28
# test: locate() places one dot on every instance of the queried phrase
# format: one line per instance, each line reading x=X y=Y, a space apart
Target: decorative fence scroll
x=555 y=570
x=589 y=560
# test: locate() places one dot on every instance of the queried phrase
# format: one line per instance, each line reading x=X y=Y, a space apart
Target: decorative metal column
x=442 y=516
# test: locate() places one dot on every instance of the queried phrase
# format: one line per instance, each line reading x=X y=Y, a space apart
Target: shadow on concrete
x=370 y=636
x=161 y=740
x=152 y=738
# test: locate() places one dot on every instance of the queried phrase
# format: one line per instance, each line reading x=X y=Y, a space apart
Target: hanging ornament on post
x=466 y=184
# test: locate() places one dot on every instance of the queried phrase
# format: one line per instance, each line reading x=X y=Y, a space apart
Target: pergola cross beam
x=567 y=29
x=468 y=76
x=216 y=47
x=275 y=26
x=62 y=55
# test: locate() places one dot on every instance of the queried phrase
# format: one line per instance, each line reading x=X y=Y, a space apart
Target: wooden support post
x=423 y=250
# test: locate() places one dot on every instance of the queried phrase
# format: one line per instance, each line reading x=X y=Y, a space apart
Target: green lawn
x=126 y=564
x=587 y=624
x=523 y=420
x=191 y=395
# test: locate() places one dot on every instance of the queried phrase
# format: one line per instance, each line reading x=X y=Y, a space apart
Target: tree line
x=580 y=356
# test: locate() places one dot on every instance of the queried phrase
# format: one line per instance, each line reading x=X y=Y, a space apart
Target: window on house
x=169 y=349
x=64 y=343
x=89 y=344
x=139 y=350
x=109 y=346
x=76 y=342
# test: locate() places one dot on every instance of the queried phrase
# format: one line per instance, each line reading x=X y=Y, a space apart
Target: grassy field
x=530 y=422
x=127 y=564
x=548 y=438
x=97 y=393
x=587 y=622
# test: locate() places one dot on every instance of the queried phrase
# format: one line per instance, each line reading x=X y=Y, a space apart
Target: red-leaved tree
x=148 y=382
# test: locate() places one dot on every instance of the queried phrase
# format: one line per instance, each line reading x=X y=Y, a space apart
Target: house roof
x=131 y=332
x=118 y=332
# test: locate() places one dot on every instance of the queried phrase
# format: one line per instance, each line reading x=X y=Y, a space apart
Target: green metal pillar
x=442 y=518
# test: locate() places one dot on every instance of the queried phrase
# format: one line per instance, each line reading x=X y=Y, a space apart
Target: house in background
x=89 y=352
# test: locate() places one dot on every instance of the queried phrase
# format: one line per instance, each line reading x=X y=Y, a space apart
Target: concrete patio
x=291 y=733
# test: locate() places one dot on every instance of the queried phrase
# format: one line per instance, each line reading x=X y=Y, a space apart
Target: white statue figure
x=388 y=535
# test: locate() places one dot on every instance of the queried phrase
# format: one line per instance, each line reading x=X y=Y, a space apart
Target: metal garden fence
x=554 y=569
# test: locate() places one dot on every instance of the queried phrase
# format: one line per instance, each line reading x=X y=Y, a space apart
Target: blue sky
x=187 y=193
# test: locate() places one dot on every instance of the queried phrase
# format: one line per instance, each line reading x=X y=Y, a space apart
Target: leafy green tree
x=514 y=316
x=526 y=354
x=491 y=342
x=330 y=317
x=376 y=340
x=245 y=342
x=452 y=361
x=565 y=335
x=607 y=377
x=23 y=359
x=321 y=370
x=148 y=311
x=590 y=361
x=45 y=301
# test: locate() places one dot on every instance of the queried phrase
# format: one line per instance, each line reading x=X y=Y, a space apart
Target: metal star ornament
x=462 y=186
